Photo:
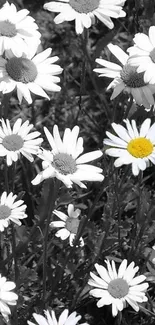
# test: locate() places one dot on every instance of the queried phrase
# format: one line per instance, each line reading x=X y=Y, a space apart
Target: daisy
x=132 y=146
x=17 y=30
x=142 y=55
x=84 y=12
x=50 y=318
x=10 y=209
x=29 y=74
x=7 y=297
x=118 y=288
x=18 y=140
x=63 y=161
x=69 y=224
x=126 y=78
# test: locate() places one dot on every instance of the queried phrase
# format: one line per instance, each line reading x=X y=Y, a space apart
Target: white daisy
x=84 y=12
x=126 y=78
x=63 y=161
x=142 y=54
x=17 y=30
x=132 y=146
x=29 y=74
x=18 y=140
x=7 y=297
x=69 y=224
x=50 y=318
x=10 y=209
x=118 y=288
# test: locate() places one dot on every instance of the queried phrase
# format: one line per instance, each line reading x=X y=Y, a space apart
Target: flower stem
x=130 y=102
x=84 y=40
x=4 y=107
x=52 y=196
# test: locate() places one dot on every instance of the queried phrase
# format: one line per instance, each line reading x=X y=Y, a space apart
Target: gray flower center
x=152 y=55
x=84 y=6
x=118 y=288
x=13 y=142
x=5 y=212
x=21 y=70
x=131 y=77
x=7 y=29
x=64 y=163
x=72 y=225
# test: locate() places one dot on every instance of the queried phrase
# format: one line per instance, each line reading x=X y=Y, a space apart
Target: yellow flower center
x=5 y=212
x=7 y=29
x=118 y=288
x=140 y=147
x=84 y=6
x=152 y=55
x=21 y=69
x=131 y=77
x=72 y=225
x=13 y=142
x=64 y=163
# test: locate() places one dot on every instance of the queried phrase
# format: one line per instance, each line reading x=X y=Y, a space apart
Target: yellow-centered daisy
x=132 y=146
x=85 y=11
x=117 y=288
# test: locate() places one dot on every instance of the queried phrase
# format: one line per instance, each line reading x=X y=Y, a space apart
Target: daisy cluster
x=28 y=72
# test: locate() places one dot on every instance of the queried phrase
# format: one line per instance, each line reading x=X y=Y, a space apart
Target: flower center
x=5 y=212
x=64 y=163
x=72 y=225
x=13 y=142
x=84 y=6
x=152 y=55
x=7 y=29
x=140 y=147
x=131 y=77
x=118 y=288
x=21 y=70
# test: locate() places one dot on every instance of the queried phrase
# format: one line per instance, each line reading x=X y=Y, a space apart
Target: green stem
x=53 y=193
x=130 y=102
x=94 y=260
x=4 y=107
x=84 y=39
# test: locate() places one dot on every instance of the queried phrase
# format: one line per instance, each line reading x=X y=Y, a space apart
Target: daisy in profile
x=69 y=224
x=63 y=161
x=126 y=78
x=50 y=318
x=11 y=210
x=118 y=288
x=7 y=297
x=18 y=140
x=17 y=30
x=29 y=73
x=84 y=12
x=132 y=146
x=142 y=55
